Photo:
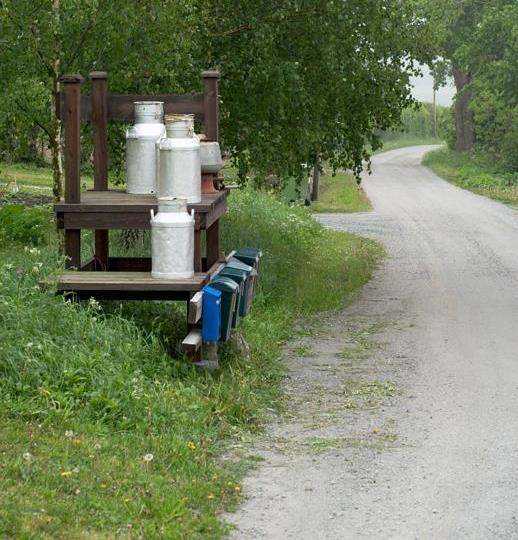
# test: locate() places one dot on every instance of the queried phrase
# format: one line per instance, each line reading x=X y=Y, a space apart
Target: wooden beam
x=100 y=144
x=72 y=85
x=191 y=345
x=211 y=104
x=122 y=108
x=194 y=310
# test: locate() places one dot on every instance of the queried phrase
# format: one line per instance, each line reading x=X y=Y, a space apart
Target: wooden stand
x=127 y=278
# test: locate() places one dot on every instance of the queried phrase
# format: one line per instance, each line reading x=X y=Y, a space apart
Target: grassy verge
x=404 y=141
x=105 y=430
x=341 y=193
x=467 y=172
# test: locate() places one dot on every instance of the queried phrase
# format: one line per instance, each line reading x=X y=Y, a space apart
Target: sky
x=423 y=89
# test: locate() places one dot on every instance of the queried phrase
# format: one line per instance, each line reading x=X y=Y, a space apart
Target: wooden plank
x=192 y=342
x=194 y=310
x=121 y=108
x=120 y=201
x=72 y=84
x=211 y=104
x=126 y=281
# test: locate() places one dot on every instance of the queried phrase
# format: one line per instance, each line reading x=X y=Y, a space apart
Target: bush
x=23 y=225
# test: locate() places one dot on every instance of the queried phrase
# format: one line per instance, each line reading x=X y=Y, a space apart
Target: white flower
x=27 y=456
x=97 y=446
x=75 y=470
x=148 y=457
x=69 y=434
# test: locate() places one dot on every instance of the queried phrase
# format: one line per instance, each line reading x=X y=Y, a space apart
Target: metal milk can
x=140 y=146
x=179 y=165
x=172 y=240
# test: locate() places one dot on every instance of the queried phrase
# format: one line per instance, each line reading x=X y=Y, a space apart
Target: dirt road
x=403 y=413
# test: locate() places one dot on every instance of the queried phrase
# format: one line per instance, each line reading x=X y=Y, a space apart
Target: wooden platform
x=129 y=285
x=120 y=210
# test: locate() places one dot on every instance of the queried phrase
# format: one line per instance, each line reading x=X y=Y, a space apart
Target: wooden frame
x=100 y=108
x=102 y=209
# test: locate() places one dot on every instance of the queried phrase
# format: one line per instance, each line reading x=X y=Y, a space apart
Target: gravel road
x=402 y=412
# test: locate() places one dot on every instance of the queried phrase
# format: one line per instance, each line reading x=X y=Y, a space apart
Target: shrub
x=23 y=225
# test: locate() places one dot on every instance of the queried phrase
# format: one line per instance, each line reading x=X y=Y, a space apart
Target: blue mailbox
x=211 y=314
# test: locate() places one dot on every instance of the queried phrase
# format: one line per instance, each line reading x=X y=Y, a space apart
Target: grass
x=469 y=172
x=405 y=140
x=341 y=193
x=106 y=430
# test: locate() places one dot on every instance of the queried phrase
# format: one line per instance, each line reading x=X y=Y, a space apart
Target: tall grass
x=106 y=430
x=471 y=172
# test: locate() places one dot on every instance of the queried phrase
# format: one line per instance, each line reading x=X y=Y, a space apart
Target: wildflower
x=35 y=269
x=237 y=488
x=191 y=445
x=148 y=457
x=27 y=456
x=69 y=434
x=210 y=496
x=97 y=446
x=66 y=473
x=30 y=344
x=75 y=470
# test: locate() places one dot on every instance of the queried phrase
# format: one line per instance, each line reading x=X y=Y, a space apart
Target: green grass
x=469 y=172
x=405 y=140
x=106 y=430
x=341 y=193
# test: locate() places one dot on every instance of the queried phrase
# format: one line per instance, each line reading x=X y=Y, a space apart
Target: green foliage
x=471 y=171
x=301 y=79
x=479 y=39
x=29 y=226
x=105 y=428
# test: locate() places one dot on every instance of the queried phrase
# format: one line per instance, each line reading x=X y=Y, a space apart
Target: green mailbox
x=241 y=276
x=229 y=303
x=250 y=256
x=251 y=279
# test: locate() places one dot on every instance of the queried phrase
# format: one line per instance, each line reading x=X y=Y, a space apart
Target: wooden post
x=211 y=104
x=72 y=121
x=100 y=140
x=197 y=251
x=212 y=244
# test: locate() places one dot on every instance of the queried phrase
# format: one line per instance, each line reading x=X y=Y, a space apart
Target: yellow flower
x=210 y=496
x=191 y=445
x=66 y=473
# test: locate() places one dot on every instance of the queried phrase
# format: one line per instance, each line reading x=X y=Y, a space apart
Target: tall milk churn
x=179 y=165
x=172 y=240
x=140 y=146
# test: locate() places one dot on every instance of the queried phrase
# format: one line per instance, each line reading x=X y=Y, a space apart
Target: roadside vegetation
x=341 y=193
x=106 y=430
x=473 y=173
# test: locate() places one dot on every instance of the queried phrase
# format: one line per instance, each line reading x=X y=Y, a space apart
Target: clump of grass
x=469 y=172
x=23 y=225
x=106 y=429
x=341 y=193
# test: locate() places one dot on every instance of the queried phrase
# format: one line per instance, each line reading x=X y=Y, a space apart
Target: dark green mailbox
x=230 y=296
x=241 y=276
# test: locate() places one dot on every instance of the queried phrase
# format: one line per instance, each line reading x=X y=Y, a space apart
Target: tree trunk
x=55 y=135
x=55 y=143
x=463 y=114
x=315 y=185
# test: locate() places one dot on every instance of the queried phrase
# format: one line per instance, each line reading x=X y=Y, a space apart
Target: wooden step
x=129 y=285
